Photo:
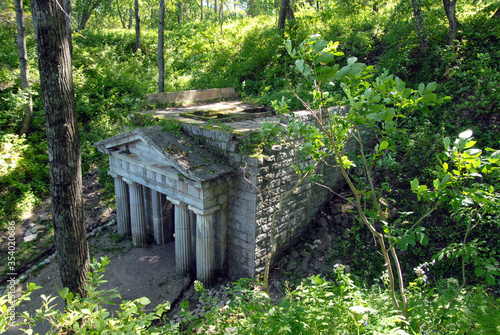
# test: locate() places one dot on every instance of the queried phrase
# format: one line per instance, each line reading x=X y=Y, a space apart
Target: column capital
x=128 y=181
x=113 y=174
x=176 y=202
x=204 y=211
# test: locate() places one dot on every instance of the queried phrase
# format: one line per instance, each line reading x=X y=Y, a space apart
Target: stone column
x=122 y=205
x=204 y=245
x=183 y=256
x=137 y=217
x=157 y=221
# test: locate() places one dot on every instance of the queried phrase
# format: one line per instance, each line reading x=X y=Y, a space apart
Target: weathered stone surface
x=192 y=96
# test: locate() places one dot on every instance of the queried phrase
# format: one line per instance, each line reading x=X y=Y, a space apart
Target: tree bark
x=63 y=140
x=23 y=67
x=179 y=12
x=449 y=8
x=419 y=25
x=250 y=7
x=201 y=6
x=122 y=19
x=285 y=13
x=130 y=17
x=69 y=32
x=137 y=26
x=161 y=57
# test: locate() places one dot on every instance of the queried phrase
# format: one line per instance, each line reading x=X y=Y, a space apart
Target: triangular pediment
x=156 y=147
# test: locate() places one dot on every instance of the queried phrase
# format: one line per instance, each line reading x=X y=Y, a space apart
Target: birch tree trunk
x=23 y=66
x=63 y=140
x=161 y=57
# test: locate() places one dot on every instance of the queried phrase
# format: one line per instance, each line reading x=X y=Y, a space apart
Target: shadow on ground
x=135 y=272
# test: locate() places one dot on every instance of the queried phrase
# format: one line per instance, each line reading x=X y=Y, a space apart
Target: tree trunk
x=215 y=8
x=90 y=6
x=67 y=15
x=130 y=17
x=419 y=25
x=63 y=140
x=201 y=6
x=122 y=19
x=179 y=12
x=137 y=26
x=161 y=57
x=250 y=7
x=285 y=13
x=449 y=8
x=23 y=66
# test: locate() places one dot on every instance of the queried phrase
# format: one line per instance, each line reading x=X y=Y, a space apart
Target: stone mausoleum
x=200 y=188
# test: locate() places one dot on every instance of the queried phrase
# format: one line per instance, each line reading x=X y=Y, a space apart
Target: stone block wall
x=256 y=190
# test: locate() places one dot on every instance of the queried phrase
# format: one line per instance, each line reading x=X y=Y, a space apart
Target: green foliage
x=343 y=306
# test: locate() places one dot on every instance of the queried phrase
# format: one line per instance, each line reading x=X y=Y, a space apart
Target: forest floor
x=150 y=271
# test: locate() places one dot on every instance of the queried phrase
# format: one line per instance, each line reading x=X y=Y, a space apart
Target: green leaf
x=384 y=145
x=368 y=93
x=423 y=239
x=414 y=184
x=431 y=87
x=320 y=45
x=421 y=88
x=143 y=301
x=299 y=64
x=429 y=97
x=405 y=241
x=495 y=157
x=324 y=58
x=356 y=70
x=446 y=142
x=351 y=60
x=446 y=179
x=490 y=280
x=479 y=271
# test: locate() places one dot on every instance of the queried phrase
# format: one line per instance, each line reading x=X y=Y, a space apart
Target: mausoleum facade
x=198 y=189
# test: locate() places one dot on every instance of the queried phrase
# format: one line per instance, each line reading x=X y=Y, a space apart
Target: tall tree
x=56 y=81
x=419 y=25
x=179 y=11
x=161 y=57
x=449 y=8
x=85 y=8
x=251 y=4
x=201 y=6
x=69 y=31
x=121 y=15
x=130 y=17
x=23 y=66
x=137 y=26
x=285 y=13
